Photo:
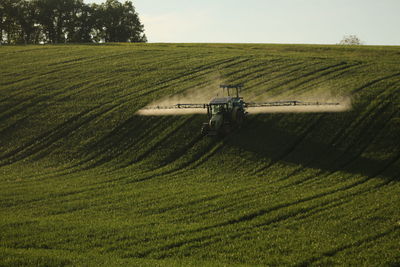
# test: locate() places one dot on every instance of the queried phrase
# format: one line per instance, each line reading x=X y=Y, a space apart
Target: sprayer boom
x=229 y=112
x=288 y=103
x=178 y=106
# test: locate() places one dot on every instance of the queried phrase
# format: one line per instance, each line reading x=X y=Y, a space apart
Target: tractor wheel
x=239 y=118
x=225 y=130
x=205 y=129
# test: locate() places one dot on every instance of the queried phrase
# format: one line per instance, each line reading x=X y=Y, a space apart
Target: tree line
x=68 y=21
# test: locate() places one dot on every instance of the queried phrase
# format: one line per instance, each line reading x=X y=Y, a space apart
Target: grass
x=85 y=181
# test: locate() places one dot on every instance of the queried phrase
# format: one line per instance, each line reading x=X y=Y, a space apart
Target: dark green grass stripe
x=373 y=82
x=254 y=67
x=291 y=147
x=251 y=79
x=164 y=136
x=342 y=165
x=354 y=244
x=300 y=213
x=279 y=77
x=61 y=131
x=326 y=77
x=315 y=76
x=197 y=160
x=188 y=75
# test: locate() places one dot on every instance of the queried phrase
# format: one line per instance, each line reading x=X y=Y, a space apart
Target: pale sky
x=375 y=22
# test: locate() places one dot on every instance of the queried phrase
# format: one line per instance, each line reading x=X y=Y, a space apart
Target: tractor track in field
x=183 y=167
x=305 y=212
x=46 y=139
x=274 y=78
x=14 y=81
x=301 y=213
x=291 y=147
x=152 y=147
x=355 y=244
x=315 y=75
x=187 y=76
x=79 y=165
x=144 y=138
x=192 y=72
x=265 y=72
x=242 y=61
x=201 y=158
x=99 y=153
x=36 y=101
x=321 y=71
x=254 y=66
x=375 y=81
x=17 y=92
x=281 y=75
x=341 y=135
x=196 y=161
x=260 y=74
x=324 y=174
x=338 y=72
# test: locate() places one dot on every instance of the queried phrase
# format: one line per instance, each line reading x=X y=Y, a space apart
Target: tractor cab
x=220 y=105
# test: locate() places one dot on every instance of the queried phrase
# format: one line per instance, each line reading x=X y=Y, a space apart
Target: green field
x=86 y=181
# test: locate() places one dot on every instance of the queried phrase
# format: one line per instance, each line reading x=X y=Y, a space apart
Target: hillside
x=84 y=180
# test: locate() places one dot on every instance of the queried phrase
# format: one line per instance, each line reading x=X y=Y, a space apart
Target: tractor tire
x=205 y=129
x=225 y=130
x=240 y=116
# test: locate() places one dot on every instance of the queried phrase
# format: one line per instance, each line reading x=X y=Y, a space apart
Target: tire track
x=318 y=74
x=282 y=75
x=36 y=100
x=338 y=72
x=196 y=161
x=292 y=147
x=46 y=139
x=166 y=135
x=358 y=243
x=303 y=76
x=253 y=68
x=345 y=164
x=199 y=69
x=263 y=72
x=338 y=201
x=373 y=82
x=299 y=213
x=129 y=94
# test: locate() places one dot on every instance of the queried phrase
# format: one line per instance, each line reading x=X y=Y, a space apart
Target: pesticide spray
x=306 y=103
x=229 y=112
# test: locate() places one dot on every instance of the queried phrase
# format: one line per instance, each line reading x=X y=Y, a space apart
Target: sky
x=375 y=22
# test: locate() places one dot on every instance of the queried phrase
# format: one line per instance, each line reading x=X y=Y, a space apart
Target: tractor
x=225 y=113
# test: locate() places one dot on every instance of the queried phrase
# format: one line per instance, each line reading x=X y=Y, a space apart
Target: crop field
x=85 y=180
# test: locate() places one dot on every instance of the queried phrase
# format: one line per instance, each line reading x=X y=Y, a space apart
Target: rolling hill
x=85 y=180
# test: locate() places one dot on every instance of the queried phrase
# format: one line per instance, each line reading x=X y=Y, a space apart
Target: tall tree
x=119 y=22
x=26 y=17
x=134 y=27
x=2 y=19
x=46 y=17
x=81 y=25
x=7 y=20
x=59 y=21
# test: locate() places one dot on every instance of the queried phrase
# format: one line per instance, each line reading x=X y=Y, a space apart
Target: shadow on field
x=318 y=141
x=267 y=137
